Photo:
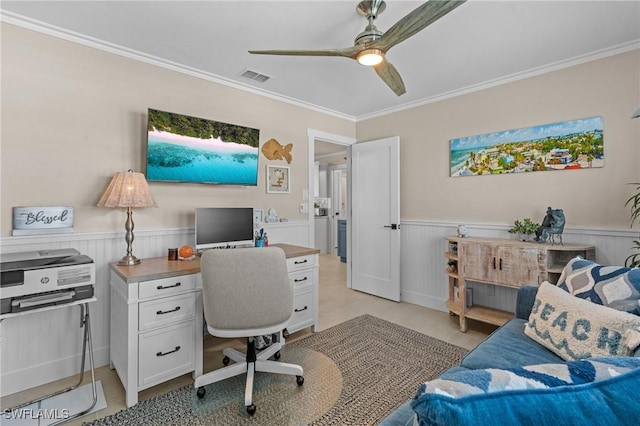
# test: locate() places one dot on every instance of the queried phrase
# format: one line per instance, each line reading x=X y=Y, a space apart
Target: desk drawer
x=166 y=286
x=165 y=311
x=302 y=309
x=301 y=262
x=166 y=353
x=301 y=278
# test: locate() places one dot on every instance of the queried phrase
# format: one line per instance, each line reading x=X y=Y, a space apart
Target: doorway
x=329 y=196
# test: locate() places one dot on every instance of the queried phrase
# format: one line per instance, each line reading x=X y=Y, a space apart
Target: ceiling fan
x=371 y=45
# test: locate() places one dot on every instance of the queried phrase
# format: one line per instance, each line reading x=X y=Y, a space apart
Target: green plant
x=526 y=227
x=634 y=201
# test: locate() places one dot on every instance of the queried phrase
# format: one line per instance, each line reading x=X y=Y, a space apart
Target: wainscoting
x=422 y=264
x=43 y=347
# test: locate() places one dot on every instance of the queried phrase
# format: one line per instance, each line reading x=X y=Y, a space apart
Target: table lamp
x=129 y=190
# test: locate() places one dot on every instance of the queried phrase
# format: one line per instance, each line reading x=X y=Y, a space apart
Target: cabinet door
x=478 y=261
x=517 y=266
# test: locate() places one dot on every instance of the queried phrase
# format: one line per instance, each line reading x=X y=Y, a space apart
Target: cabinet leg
x=463 y=324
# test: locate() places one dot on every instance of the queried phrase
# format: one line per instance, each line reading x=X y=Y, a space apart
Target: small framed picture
x=278 y=180
x=258 y=215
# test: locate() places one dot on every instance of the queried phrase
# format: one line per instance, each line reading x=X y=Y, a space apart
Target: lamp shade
x=128 y=189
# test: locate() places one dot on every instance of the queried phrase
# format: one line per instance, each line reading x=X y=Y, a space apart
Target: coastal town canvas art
x=567 y=145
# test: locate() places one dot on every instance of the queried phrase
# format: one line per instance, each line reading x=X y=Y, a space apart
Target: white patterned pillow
x=617 y=287
x=574 y=328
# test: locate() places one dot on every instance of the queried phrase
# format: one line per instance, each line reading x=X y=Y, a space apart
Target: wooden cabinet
x=504 y=263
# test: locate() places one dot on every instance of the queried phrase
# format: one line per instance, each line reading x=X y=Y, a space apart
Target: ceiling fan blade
x=347 y=52
x=415 y=21
x=390 y=75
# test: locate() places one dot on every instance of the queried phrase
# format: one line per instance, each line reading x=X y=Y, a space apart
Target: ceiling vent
x=256 y=76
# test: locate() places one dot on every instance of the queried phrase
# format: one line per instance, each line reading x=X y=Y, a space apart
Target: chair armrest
x=524 y=301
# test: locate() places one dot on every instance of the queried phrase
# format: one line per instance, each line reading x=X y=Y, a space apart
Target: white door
x=375 y=219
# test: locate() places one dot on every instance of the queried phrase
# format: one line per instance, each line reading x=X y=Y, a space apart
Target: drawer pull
x=176 y=309
x=167 y=353
x=300 y=280
x=178 y=284
x=295 y=262
x=303 y=309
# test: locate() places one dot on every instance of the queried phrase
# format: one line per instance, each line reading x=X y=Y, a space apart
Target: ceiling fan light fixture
x=370 y=57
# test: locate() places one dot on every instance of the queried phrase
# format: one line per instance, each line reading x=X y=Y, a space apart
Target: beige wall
x=608 y=87
x=72 y=116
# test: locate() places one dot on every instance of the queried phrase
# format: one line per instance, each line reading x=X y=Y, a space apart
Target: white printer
x=34 y=279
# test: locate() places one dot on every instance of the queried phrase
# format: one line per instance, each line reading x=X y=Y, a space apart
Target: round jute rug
x=279 y=400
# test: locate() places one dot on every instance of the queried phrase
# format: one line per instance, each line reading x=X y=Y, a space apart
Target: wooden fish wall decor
x=274 y=151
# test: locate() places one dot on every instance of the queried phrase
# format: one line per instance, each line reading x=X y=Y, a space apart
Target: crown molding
x=72 y=36
x=54 y=31
x=566 y=63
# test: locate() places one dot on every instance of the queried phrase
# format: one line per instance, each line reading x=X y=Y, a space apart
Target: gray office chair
x=247 y=292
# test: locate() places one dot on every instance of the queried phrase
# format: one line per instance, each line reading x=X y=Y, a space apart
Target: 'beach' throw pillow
x=565 y=394
x=617 y=287
x=574 y=328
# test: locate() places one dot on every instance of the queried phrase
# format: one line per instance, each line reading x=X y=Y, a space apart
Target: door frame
x=312 y=136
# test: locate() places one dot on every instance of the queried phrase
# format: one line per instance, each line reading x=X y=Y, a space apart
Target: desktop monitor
x=223 y=227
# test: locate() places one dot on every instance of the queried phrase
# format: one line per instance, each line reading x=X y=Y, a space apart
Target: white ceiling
x=479 y=44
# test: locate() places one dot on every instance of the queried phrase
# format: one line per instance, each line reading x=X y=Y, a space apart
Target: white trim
x=38 y=375
x=312 y=136
x=54 y=31
x=9 y=241
x=577 y=60
x=423 y=280
x=607 y=232
x=72 y=36
x=87 y=236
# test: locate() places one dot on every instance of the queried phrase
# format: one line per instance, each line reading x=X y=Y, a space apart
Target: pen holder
x=259 y=242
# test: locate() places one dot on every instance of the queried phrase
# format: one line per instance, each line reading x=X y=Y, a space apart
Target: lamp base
x=129 y=260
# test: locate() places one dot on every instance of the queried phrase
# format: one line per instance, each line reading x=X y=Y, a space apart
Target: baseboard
x=423 y=300
x=38 y=375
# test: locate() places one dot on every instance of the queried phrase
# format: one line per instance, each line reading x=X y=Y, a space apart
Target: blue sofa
x=607 y=402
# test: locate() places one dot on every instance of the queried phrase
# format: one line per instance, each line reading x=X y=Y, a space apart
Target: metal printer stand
x=86 y=341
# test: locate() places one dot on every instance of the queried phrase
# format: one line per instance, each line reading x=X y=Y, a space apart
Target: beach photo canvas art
x=181 y=148
x=567 y=145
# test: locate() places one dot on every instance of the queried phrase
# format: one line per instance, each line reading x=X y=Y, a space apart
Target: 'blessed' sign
x=42 y=220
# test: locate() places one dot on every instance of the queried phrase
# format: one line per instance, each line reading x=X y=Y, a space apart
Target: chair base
x=250 y=363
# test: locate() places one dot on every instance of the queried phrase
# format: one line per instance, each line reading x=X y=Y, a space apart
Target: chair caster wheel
x=276 y=356
x=200 y=392
x=251 y=409
x=299 y=380
x=226 y=360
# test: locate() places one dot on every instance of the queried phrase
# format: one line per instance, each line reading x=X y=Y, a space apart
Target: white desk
x=156 y=316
